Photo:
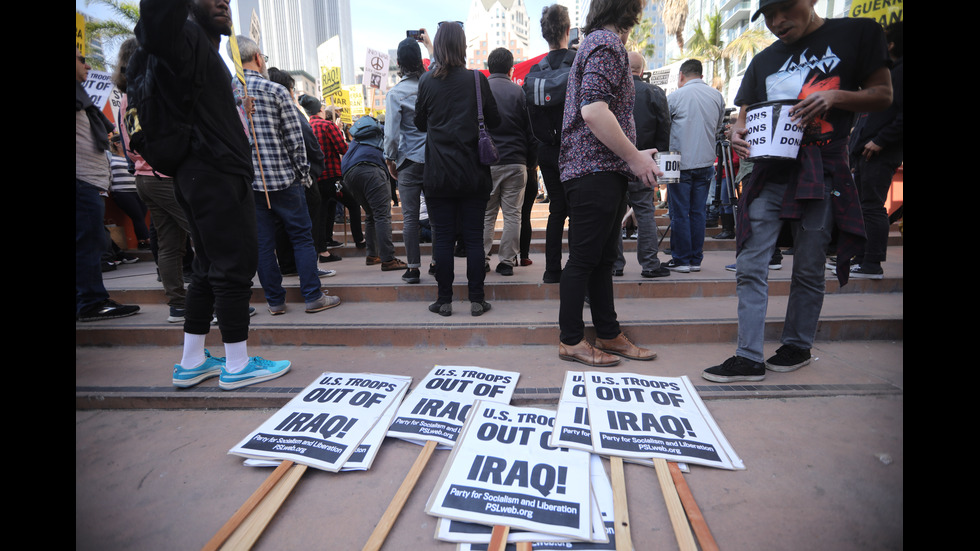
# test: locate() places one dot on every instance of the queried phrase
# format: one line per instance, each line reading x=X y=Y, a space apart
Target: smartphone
x=573 y=36
x=417 y=35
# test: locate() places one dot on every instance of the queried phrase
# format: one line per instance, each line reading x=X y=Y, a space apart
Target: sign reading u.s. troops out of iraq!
x=643 y=416
x=324 y=425
x=437 y=408
x=503 y=472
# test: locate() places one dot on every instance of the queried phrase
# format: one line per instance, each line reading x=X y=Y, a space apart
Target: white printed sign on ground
x=437 y=408
x=324 y=424
x=643 y=416
x=503 y=472
x=476 y=537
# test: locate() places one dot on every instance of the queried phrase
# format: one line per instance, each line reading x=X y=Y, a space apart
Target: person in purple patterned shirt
x=598 y=157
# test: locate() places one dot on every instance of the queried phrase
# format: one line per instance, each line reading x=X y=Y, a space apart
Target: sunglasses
x=81 y=58
x=460 y=23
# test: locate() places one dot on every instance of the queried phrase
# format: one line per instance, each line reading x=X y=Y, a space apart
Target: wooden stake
x=685 y=540
x=248 y=533
x=401 y=496
x=698 y=524
x=524 y=546
x=498 y=538
x=247 y=507
x=624 y=541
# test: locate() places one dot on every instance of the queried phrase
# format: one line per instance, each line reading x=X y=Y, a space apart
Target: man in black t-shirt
x=835 y=67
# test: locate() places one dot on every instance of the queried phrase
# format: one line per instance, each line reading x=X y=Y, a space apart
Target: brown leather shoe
x=372 y=260
x=393 y=264
x=621 y=346
x=584 y=353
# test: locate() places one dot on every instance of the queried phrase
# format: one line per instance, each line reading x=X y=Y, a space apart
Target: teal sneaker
x=258 y=370
x=211 y=367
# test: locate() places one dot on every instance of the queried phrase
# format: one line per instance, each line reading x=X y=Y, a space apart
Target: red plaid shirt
x=331 y=143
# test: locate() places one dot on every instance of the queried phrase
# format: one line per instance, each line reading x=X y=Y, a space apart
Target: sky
x=381 y=24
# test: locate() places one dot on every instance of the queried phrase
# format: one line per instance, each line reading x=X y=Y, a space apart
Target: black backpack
x=545 y=93
x=160 y=107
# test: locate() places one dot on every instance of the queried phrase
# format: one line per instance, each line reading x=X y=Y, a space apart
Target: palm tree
x=111 y=32
x=640 y=39
x=674 y=15
x=707 y=46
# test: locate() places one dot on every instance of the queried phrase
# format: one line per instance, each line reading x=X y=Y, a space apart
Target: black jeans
x=220 y=211
x=557 y=208
x=596 y=205
x=465 y=214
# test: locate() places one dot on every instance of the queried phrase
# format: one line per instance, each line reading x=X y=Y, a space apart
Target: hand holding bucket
x=670 y=163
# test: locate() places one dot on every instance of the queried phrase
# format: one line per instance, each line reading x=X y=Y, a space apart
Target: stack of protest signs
x=640 y=417
x=503 y=472
x=437 y=409
x=337 y=422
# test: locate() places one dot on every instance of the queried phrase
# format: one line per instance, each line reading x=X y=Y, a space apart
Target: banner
x=437 y=408
x=643 y=416
x=329 y=81
x=885 y=12
x=376 y=69
x=503 y=472
x=324 y=424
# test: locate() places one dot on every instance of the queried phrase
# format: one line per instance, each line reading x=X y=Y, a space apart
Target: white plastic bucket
x=670 y=163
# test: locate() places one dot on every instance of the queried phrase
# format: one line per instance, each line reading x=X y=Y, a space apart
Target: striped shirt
x=278 y=135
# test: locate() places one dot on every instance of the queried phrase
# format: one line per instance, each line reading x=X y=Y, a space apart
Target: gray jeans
x=172 y=229
x=369 y=184
x=811 y=235
x=410 y=192
x=507 y=195
x=640 y=197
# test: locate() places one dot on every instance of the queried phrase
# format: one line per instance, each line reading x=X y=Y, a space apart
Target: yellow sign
x=236 y=56
x=341 y=101
x=356 y=100
x=80 y=33
x=330 y=80
x=884 y=12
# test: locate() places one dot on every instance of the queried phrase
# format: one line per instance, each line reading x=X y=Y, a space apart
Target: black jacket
x=446 y=111
x=652 y=116
x=513 y=136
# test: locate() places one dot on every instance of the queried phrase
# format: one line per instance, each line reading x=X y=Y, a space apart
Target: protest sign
x=502 y=472
x=572 y=429
x=356 y=95
x=341 y=101
x=98 y=86
x=376 y=69
x=643 y=416
x=476 y=537
x=329 y=81
x=324 y=424
x=437 y=408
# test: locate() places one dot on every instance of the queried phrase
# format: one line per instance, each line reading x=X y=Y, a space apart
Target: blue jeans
x=410 y=193
x=811 y=236
x=686 y=201
x=90 y=243
x=289 y=206
x=640 y=197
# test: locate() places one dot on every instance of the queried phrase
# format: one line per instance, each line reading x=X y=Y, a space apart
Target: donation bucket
x=771 y=133
x=670 y=163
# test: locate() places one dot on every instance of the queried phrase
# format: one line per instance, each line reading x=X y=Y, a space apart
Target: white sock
x=193 y=351
x=236 y=356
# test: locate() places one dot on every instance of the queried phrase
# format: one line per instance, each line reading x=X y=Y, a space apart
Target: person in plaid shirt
x=281 y=171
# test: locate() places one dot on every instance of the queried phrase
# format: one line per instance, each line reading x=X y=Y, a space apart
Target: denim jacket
x=402 y=139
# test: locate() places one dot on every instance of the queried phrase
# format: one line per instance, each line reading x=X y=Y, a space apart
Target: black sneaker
x=478 y=308
x=443 y=309
x=788 y=358
x=503 y=269
x=412 y=275
x=862 y=271
x=735 y=369
x=109 y=309
x=659 y=272
x=432 y=268
x=551 y=277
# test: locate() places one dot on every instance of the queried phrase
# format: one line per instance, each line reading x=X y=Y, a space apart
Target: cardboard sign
x=503 y=472
x=376 y=69
x=643 y=416
x=356 y=95
x=437 y=408
x=98 y=86
x=324 y=424
x=329 y=80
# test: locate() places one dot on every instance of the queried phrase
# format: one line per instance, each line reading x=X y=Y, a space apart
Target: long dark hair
x=450 y=48
x=623 y=14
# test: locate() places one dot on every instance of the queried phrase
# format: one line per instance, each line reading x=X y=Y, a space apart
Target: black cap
x=765 y=3
x=409 y=54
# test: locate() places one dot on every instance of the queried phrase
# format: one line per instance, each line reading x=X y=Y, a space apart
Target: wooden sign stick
x=698 y=524
x=524 y=546
x=498 y=538
x=248 y=533
x=401 y=496
x=247 y=507
x=685 y=540
x=624 y=542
